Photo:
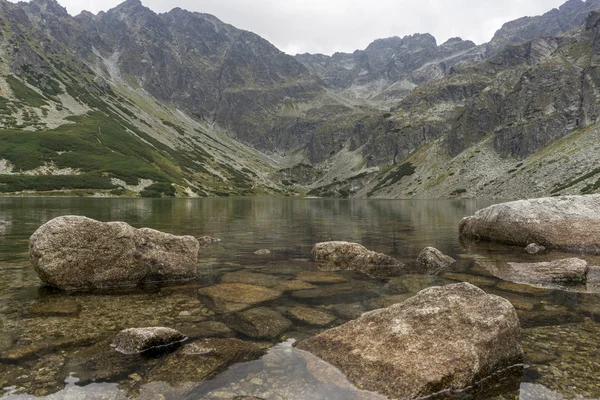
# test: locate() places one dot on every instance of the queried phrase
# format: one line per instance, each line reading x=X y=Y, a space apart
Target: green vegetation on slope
x=96 y=145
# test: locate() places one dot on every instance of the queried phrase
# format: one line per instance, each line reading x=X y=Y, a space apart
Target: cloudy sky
x=327 y=26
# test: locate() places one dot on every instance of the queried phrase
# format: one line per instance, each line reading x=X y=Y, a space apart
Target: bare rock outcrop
x=334 y=256
x=570 y=223
x=75 y=253
x=443 y=338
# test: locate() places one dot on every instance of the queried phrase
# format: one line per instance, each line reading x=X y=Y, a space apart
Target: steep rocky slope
x=129 y=101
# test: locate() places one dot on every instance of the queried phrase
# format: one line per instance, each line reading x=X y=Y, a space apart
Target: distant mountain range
x=130 y=102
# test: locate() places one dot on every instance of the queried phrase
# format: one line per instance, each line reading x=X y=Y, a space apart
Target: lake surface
x=57 y=345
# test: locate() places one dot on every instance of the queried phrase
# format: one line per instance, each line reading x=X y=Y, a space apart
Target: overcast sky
x=327 y=26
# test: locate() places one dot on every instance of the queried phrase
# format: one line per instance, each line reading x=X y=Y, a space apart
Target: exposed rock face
x=568 y=223
x=434 y=260
x=74 y=253
x=554 y=22
x=568 y=271
x=137 y=340
x=334 y=256
x=443 y=338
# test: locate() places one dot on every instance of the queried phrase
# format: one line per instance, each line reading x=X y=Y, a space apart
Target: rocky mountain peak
x=47 y=7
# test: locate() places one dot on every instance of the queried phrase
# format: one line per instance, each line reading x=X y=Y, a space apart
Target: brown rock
x=319 y=277
x=569 y=223
x=310 y=316
x=74 y=253
x=570 y=270
x=293 y=285
x=443 y=338
x=334 y=256
x=520 y=288
x=534 y=248
x=387 y=301
x=434 y=260
x=55 y=308
x=137 y=340
x=207 y=329
x=251 y=278
x=207 y=240
x=231 y=297
x=472 y=279
x=593 y=274
x=259 y=323
x=202 y=360
x=339 y=293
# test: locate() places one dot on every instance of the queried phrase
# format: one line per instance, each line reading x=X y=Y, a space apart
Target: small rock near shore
x=137 y=340
x=334 y=256
x=434 y=260
x=534 y=248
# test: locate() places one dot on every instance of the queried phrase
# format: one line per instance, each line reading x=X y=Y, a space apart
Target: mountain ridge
x=214 y=110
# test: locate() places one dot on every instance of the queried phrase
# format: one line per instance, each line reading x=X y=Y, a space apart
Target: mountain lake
x=56 y=345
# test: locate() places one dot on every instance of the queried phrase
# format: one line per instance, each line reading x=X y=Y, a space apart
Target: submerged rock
x=259 y=323
x=534 y=248
x=569 y=223
x=202 y=360
x=55 y=308
x=231 y=297
x=209 y=329
x=567 y=271
x=443 y=338
x=137 y=340
x=320 y=277
x=310 y=316
x=207 y=240
x=251 y=278
x=333 y=256
x=434 y=260
x=339 y=293
x=293 y=285
x=73 y=253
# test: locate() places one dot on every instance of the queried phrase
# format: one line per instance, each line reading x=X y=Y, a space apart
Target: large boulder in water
x=74 y=253
x=569 y=223
x=334 y=256
x=443 y=338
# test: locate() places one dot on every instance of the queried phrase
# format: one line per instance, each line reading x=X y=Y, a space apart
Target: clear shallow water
x=48 y=338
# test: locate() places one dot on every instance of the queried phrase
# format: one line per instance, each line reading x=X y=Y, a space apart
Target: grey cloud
x=327 y=26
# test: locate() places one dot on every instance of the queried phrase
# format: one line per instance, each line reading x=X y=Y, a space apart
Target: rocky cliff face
x=389 y=68
x=131 y=101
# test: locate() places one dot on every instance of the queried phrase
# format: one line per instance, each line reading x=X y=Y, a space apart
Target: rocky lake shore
x=349 y=322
